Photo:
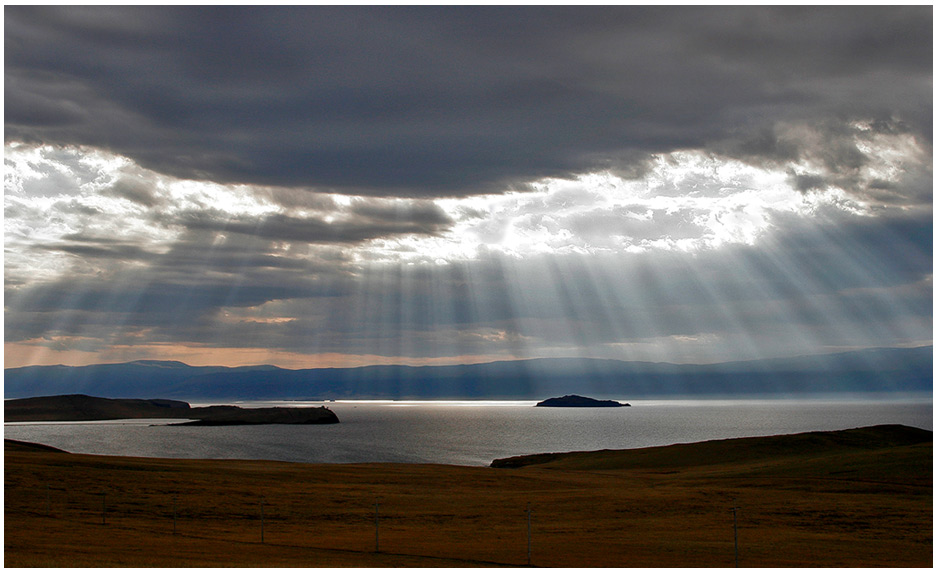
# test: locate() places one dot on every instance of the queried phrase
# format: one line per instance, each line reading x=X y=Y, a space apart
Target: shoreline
x=522 y=460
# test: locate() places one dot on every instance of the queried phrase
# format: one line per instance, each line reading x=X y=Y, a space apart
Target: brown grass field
x=860 y=499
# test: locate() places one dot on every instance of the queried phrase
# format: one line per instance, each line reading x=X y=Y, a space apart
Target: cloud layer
x=346 y=185
x=432 y=101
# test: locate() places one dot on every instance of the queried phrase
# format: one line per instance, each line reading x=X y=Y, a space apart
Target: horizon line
x=487 y=360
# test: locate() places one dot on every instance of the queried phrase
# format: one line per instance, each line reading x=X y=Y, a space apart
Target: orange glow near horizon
x=18 y=354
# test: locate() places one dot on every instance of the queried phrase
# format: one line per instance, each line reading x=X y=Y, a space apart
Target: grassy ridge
x=856 y=498
x=806 y=445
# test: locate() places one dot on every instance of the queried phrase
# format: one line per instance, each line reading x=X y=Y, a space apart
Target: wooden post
x=735 y=538
x=377 y=547
x=262 y=520
x=529 y=533
x=104 y=508
x=174 y=515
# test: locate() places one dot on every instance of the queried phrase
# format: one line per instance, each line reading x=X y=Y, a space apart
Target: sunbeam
x=389 y=241
x=739 y=229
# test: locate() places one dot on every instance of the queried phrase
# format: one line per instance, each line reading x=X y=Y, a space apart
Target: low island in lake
x=235 y=416
x=78 y=407
x=574 y=401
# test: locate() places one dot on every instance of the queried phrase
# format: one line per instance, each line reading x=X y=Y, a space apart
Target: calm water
x=471 y=433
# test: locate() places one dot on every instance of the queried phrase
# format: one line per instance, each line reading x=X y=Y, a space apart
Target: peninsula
x=574 y=401
x=78 y=407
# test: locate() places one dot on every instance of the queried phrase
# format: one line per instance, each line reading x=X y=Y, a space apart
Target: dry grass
x=853 y=508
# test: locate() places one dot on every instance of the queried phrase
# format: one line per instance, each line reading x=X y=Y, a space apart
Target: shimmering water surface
x=471 y=433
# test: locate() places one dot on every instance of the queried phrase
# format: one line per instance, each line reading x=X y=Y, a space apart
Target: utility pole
x=735 y=537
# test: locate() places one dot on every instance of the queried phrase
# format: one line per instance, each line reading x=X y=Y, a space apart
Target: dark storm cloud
x=374 y=222
x=188 y=255
x=806 y=181
x=429 y=101
x=179 y=304
x=123 y=253
x=137 y=191
x=418 y=213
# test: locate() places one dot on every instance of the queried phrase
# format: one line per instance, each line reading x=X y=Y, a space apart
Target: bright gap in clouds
x=685 y=201
x=653 y=267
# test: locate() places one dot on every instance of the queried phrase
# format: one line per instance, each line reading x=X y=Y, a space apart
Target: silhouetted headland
x=78 y=407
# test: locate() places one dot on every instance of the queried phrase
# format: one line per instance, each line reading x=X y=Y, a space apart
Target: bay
x=470 y=433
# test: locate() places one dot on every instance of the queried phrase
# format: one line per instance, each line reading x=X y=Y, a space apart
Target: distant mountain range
x=875 y=370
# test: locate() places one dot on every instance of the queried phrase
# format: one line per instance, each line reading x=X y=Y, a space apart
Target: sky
x=314 y=186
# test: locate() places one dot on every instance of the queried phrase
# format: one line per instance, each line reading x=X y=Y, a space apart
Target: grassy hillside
x=847 y=499
x=785 y=450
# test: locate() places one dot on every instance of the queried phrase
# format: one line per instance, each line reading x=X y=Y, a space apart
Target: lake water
x=471 y=433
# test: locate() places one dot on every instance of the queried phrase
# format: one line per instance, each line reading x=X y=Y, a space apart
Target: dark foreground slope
x=809 y=446
x=861 y=498
x=77 y=407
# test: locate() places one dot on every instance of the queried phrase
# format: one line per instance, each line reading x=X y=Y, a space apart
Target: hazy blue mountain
x=876 y=370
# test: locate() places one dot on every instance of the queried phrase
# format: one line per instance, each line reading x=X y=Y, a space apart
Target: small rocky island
x=574 y=401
